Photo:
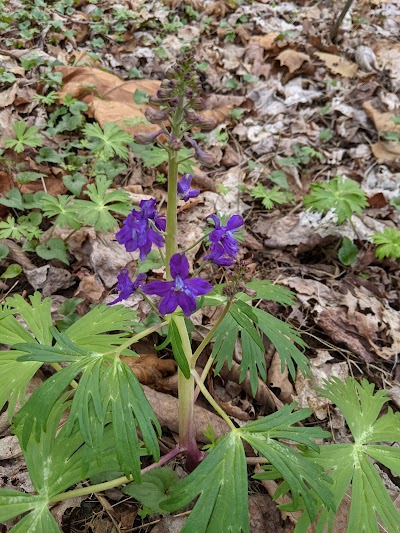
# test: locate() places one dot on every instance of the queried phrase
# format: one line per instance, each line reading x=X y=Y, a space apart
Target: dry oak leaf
x=338 y=65
x=149 y=369
x=292 y=59
x=388 y=54
x=384 y=151
x=109 y=98
x=382 y=121
x=268 y=42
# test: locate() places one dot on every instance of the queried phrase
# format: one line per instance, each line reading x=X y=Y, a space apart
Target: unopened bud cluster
x=179 y=101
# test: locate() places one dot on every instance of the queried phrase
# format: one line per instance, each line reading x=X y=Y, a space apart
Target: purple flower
x=224 y=235
x=184 y=191
x=181 y=291
x=217 y=256
x=126 y=287
x=137 y=231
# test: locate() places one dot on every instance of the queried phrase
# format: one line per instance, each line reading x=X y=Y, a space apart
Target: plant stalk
x=187 y=439
x=335 y=28
x=100 y=487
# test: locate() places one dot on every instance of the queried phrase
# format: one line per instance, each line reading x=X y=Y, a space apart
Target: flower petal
x=216 y=220
x=169 y=303
x=179 y=266
x=160 y=288
x=234 y=222
x=187 y=302
x=198 y=286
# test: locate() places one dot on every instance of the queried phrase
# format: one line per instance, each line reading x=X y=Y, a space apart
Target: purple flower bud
x=157 y=101
x=205 y=158
x=189 y=93
x=206 y=124
x=156 y=117
x=184 y=191
x=147 y=138
x=174 y=143
x=198 y=104
x=191 y=116
x=164 y=93
x=175 y=101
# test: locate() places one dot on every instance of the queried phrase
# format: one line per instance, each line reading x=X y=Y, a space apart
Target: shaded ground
x=292 y=109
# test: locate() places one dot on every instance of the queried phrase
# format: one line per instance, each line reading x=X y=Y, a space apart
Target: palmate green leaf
x=388 y=242
x=61 y=208
x=345 y=196
x=359 y=405
x=349 y=465
x=156 y=485
x=14 y=503
x=297 y=471
x=89 y=331
x=101 y=386
x=15 y=376
x=220 y=481
x=266 y=290
x=131 y=411
x=284 y=338
x=55 y=463
x=108 y=142
x=271 y=196
x=247 y=321
x=96 y=212
x=38 y=521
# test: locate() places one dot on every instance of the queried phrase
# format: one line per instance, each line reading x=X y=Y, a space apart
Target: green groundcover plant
x=91 y=421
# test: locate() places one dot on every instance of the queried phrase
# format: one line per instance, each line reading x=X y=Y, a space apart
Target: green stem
x=101 y=487
x=195 y=244
x=154 y=307
x=58 y=367
x=211 y=400
x=137 y=338
x=211 y=333
x=187 y=439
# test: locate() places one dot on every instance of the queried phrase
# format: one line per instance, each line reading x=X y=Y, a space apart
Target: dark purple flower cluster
x=139 y=231
x=184 y=190
x=224 y=246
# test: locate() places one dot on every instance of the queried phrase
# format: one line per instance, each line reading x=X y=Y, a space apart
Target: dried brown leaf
x=292 y=59
x=338 y=65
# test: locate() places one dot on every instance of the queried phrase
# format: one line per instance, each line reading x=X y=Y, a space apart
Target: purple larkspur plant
x=184 y=190
x=138 y=232
x=182 y=291
x=126 y=287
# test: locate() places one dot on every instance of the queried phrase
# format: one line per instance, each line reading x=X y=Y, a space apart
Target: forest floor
x=292 y=108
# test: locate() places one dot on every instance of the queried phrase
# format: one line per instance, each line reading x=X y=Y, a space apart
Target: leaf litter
x=279 y=87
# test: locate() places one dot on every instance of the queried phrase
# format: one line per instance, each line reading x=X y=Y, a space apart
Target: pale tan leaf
x=338 y=65
x=292 y=59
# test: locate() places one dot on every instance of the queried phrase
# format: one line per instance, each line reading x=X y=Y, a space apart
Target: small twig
x=335 y=28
